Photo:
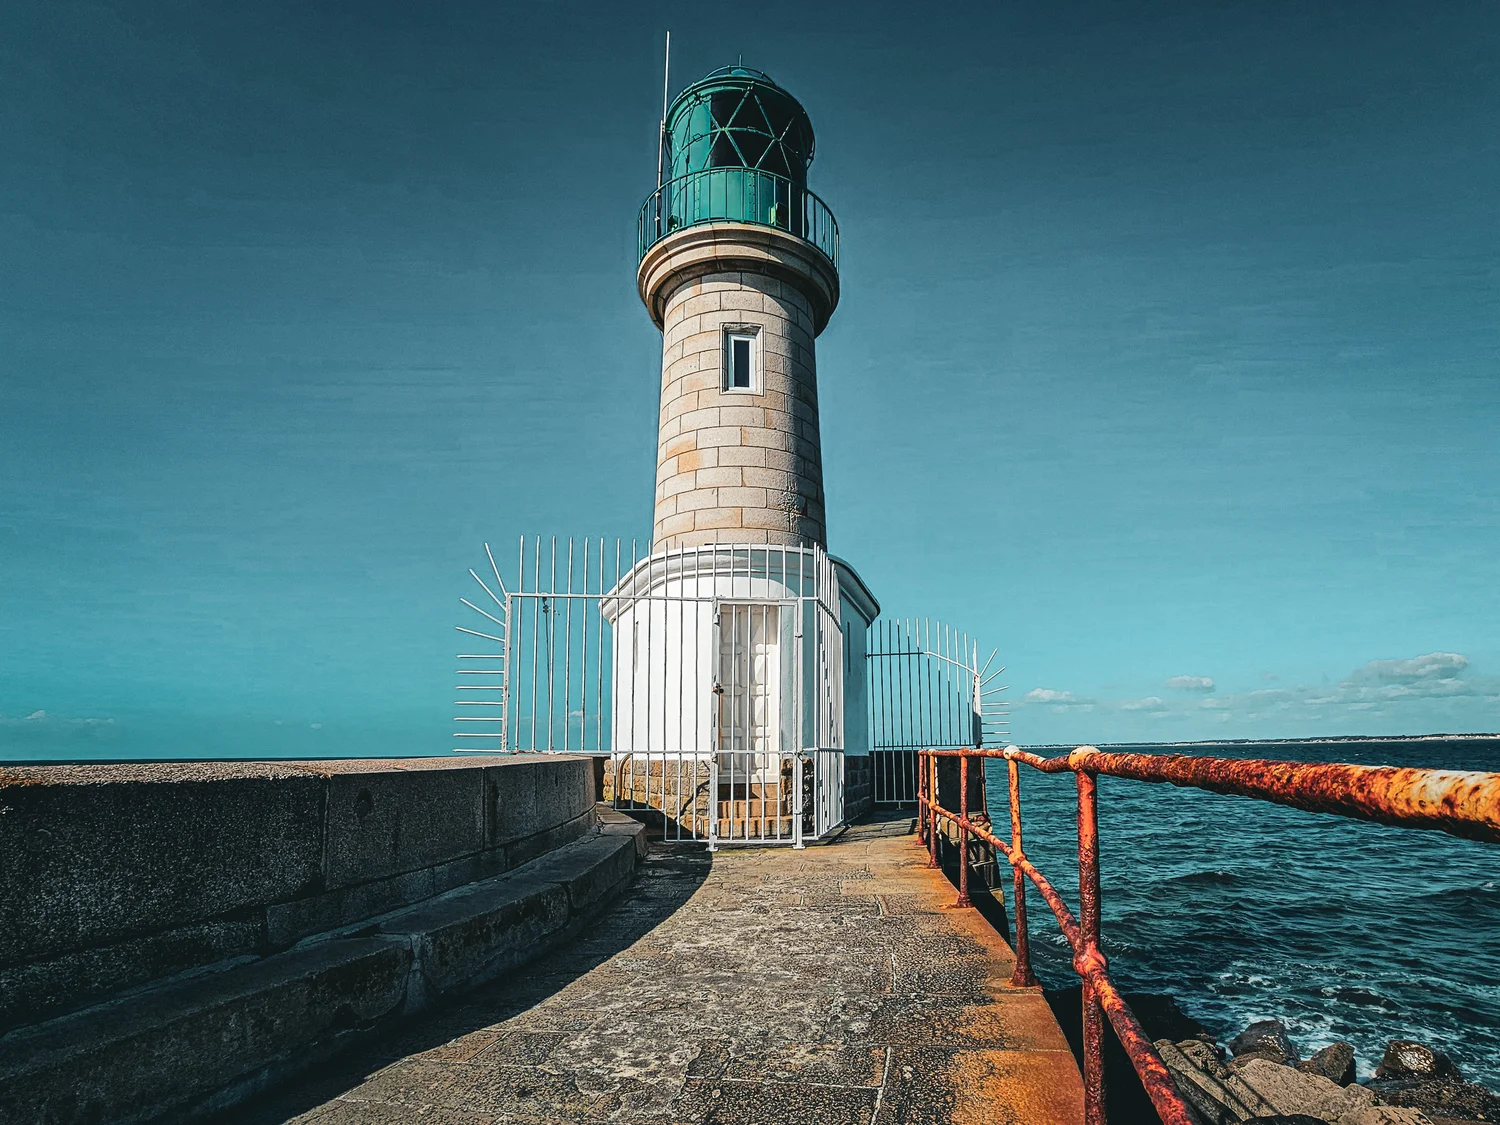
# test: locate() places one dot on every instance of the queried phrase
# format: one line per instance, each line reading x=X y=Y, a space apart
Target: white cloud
x=1433 y=666
x=1435 y=691
x=1048 y=695
x=1204 y=684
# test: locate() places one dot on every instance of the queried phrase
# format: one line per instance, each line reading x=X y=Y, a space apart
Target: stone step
x=770 y=790
x=641 y=795
x=741 y=796
x=753 y=828
x=759 y=807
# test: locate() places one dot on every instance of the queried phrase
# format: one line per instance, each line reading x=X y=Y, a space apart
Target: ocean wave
x=1360 y=997
x=1484 y=897
x=1210 y=878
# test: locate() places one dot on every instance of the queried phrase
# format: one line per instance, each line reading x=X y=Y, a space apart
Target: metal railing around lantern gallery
x=1465 y=804
x=737 y=195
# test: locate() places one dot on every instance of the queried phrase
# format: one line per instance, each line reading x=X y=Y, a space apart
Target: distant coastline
x=1322 y=740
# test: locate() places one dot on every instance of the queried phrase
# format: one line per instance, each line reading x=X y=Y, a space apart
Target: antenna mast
x=661 y=132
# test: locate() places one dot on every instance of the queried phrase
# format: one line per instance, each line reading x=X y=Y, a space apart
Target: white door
x=749 y=675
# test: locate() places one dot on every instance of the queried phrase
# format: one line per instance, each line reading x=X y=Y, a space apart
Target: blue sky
x=1168 y=358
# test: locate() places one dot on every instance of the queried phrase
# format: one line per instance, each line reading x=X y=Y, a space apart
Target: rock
x=1440 y=1097
x=1387 y=1115
x=1161 y=1018
x=1334 y=1062
x=1285 y=1119
x=1290 y=1091
x=1202 y=1080
x=1265 y=1039
x=1205 y=1056
x=1405 y=1059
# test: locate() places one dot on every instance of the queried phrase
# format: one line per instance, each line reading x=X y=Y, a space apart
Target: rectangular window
x=739 y=350
x=741 y=360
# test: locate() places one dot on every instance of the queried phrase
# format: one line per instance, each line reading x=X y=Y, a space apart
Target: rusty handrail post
x=932 y=804
x=921 y=804
x=1023 y=977
x=963 y=832
x=1088 y=957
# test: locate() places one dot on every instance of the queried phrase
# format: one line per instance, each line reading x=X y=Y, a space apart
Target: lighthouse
x=739 y=642
x=733 y=674
x=739 y=269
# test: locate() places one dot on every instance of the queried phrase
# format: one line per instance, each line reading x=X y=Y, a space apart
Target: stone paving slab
x=833 y=986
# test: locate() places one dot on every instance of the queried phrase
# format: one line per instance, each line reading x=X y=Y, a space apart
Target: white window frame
x=733 y=332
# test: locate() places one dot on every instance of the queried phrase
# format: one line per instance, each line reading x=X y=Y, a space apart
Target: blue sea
x=1244 y=910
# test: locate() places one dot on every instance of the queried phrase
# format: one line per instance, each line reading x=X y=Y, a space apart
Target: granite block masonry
x=738 y=464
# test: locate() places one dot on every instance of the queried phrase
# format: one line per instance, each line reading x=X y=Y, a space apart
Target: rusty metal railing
x=1465 y=804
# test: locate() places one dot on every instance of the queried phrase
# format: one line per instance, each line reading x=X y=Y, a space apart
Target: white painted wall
x=665 y=659
x=856 y=679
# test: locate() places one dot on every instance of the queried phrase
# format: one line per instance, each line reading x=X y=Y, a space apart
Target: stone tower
x=739 y=269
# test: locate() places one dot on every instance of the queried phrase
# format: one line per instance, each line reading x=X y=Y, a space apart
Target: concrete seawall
x=174 y=936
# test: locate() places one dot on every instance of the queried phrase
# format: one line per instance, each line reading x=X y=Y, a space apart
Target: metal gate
x=712 y=678
x=928 y=690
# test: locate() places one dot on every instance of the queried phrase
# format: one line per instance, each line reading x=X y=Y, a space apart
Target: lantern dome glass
x=736 y=149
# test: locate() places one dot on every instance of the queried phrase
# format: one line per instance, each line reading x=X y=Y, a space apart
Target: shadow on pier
x=508 y=1017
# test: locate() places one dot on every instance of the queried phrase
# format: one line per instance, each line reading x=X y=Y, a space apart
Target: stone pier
x=836 y=985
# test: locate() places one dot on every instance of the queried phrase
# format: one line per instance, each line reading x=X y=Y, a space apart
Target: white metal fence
x=712 y=676
x=928 y=689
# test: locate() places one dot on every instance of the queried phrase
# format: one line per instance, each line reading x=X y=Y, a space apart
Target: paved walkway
x=832 y=985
